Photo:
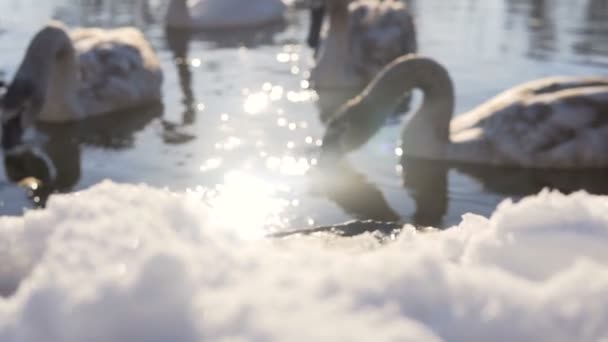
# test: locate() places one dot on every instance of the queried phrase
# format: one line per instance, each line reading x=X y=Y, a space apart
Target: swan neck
x=178 y=14
x=334 y=67
x=429 y=127
x=338 y=22
x=50 y=67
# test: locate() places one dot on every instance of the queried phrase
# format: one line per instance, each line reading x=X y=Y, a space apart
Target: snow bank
x=131 y=263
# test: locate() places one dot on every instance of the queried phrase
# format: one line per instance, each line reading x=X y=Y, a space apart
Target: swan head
x=19 y=105
x=349 y=128
x=318 y=9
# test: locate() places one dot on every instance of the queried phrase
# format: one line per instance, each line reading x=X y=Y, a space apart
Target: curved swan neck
x=48 y=46
x=430 y=125
x=178 y=14
x=338 y=21
x=49 y=66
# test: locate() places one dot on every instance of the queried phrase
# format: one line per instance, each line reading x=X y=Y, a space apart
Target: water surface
x=239 y=126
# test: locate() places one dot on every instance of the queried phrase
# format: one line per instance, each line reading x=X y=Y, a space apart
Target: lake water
x=239 y=127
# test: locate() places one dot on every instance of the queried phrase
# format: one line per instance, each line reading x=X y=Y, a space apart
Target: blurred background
x=239 y=126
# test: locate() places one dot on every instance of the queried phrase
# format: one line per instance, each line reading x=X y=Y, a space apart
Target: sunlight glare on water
x=255 y=103
x=289 y=165
x=247 y=204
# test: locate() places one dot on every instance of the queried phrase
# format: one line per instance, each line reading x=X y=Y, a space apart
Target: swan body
x=556 y=122
x=363 y=36
x=71 y=75
x=223 y=14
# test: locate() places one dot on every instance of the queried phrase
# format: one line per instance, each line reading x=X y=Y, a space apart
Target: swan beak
x=12 y=132
x=317 y=13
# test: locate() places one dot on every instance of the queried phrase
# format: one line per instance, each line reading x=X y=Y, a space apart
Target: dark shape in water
x=12 y=132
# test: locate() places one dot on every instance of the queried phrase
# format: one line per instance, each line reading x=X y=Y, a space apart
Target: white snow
x=133 y=263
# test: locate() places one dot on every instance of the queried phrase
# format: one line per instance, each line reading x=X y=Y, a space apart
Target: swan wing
x=514 y=97
x=561 y=126
x=118 y=69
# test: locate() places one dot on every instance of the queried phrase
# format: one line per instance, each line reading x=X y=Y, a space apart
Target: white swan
x=68 y=76
x=557 y=122
x=364 y=36
x=223 y=14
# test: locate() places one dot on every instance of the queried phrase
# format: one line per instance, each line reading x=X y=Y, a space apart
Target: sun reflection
x=288 y=165
x=283 y=57
x=247 y=204
x=299 y=96
x=255 y=103
x=276 y=93
x=210 y=164
x=229 y=144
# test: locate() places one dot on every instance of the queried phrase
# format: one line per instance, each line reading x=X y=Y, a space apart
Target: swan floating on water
x=556 y=122
x=364 y=36
x=87 y=72
x=223 y=14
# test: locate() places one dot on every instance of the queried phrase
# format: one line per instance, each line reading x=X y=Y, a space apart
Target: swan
x=364 y=36
x=223 y=14
x=555 y=122
x=87 y=72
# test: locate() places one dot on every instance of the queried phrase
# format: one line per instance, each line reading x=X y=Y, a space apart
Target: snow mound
x=133 y=263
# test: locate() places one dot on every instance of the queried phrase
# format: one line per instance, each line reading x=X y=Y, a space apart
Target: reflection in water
x=538 y=24
x=542 y=42
x=594 y=30
x=55 y=166
x=550 y=34
x=427 y=183
x=352 y=192
x=236 y=38
x=521 y=182
x=108 y=13
x=30 y=170
x=178 y=42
